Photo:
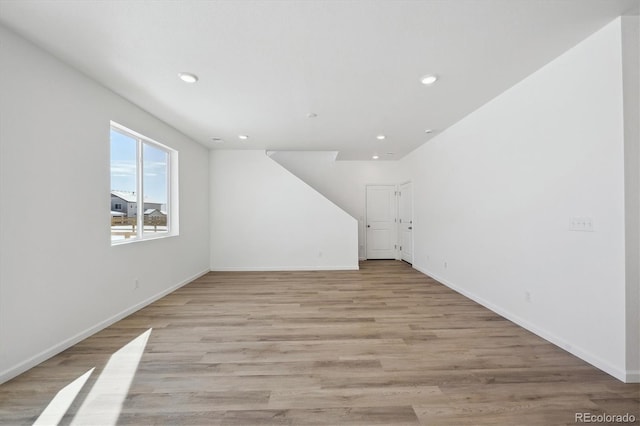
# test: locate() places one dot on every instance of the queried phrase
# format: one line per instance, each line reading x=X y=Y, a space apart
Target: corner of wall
x=630 y=28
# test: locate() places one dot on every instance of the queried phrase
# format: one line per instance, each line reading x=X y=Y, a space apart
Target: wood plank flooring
x=385 y=345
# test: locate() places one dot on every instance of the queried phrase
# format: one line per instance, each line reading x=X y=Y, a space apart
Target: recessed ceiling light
x=375 y=157
x=428 y=79
x=428 y=131
x=187 y=77
x=380 y=137
x=243 y=137
x=216 y=140
x=312 y=115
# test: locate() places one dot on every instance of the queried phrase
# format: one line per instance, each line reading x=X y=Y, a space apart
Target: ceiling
x=263 y=66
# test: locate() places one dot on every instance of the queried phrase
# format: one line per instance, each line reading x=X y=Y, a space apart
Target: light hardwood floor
x=383 y=345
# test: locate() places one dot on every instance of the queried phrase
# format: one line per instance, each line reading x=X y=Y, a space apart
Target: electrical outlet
x=582 y=224
x=445 y=265
x=136 y=284
x=527 y=296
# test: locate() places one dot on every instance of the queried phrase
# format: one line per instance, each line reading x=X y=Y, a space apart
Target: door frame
x=396 y=186
x=398 y=233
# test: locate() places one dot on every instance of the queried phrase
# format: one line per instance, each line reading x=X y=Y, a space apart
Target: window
x=141 y=176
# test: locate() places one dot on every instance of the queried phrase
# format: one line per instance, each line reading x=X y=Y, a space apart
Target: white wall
x=631 y=83
x=494 y=195
x=342 y=182
x=265 y=218
x=60 y=278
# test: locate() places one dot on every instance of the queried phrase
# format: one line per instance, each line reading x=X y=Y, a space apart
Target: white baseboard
x=283 y=268
x=624 y=376
x=20 y=368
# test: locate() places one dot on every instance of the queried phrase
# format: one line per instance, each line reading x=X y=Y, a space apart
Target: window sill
x=126 y=241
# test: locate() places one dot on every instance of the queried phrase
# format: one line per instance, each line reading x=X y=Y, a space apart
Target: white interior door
x=405 y=226
x=381 y=222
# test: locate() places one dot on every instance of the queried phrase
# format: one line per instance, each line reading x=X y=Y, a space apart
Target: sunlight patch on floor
x=104 y=402
x=60 y=403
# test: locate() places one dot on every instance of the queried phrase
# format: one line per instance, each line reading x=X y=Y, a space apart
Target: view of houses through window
x=140 y=190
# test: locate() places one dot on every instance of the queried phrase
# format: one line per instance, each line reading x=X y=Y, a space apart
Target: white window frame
x=172 y=186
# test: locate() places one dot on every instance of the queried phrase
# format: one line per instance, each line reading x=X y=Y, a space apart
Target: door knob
x=411 y=227
x=368 y=226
